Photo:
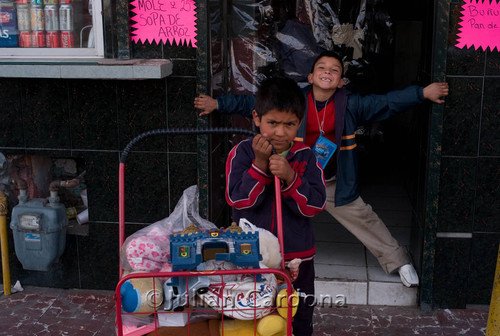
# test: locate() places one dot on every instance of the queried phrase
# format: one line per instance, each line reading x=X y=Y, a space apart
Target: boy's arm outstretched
x=206 y=104
x=435 y=91
x=228 y=104
x=378 y=107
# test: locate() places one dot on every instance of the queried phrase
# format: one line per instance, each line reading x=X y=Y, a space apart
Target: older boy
x=250 y=170
x=335 y=113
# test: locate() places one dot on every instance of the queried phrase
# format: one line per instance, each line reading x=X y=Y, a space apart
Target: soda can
x=67 y=39
x=65 y=2
x=24 y=39
x=66 y=17
x=51 y=2
x=51 y=17
x=37 y=19
x=53 y=40
x=38 y=39
x=36 y=2
x=23 y=17
x=23 y=2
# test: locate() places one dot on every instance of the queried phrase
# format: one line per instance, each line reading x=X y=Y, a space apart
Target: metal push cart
x=152 y=322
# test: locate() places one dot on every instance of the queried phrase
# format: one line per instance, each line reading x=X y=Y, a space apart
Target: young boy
x=250 y=170
x=336 y=113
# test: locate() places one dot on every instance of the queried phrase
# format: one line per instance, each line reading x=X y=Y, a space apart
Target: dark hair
x=282 y=94
x=328 y=53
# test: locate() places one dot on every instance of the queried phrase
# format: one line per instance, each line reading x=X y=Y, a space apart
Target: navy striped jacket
x=251 y=193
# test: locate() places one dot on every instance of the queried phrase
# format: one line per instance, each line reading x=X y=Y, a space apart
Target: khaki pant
x=359 y=218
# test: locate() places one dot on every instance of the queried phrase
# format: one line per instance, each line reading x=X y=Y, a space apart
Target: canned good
x=66 y=17
x=24 y=39
x=53 y=40
x=67 y=39
x=38 y=39
x=65 y=2
x=51 y=17
x=23 y=2
x=36 y=2
x=51 y=2
x=37 y=19
x=23 y=17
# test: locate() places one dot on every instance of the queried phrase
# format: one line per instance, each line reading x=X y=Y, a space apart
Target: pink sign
x=480 y=25
x=164 y=20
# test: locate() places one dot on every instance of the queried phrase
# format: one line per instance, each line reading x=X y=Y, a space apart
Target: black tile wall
x=461 y=117
x=456 y=194
x=184 y=68
x=183 y=171
x=181 y=114
x=469 y=196
x=490 y=121
x=484 y=253
x=142 y=106
x=487 y=210
x=146 y=182
x=492 y=63
x=45 y=113
x=451 y=272
x=93 y=115
x=98 y=257
x=173 y=51
x=102 y=184
x=11 y=132
x=147 y=50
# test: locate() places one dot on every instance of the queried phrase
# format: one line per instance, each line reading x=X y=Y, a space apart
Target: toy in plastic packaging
x=243 y=299
x=148 y=249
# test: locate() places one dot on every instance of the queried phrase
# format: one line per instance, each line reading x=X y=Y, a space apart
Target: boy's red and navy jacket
x=351 y=110
x=251 y=193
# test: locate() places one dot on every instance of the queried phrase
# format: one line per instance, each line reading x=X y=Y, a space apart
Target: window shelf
x=75 y=68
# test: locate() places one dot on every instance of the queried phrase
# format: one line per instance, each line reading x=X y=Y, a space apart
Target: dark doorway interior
x=251 y=40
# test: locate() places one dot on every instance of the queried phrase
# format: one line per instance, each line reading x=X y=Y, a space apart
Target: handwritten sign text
x=480 y=25
x=164 y=20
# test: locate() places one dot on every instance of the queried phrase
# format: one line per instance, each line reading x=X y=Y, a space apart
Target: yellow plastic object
x=493 y=325
x=3 y=243
x=271 y=325
x=282 y=302
x=238 y=328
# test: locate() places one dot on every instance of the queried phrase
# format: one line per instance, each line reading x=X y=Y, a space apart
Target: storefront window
x=50 y=28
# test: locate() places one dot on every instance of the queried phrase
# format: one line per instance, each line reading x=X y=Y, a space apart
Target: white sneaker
x=408 y=275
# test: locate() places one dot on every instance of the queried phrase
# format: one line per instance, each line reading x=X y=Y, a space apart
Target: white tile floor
x=345 y=267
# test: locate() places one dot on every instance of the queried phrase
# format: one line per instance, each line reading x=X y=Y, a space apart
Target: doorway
x=386 y=44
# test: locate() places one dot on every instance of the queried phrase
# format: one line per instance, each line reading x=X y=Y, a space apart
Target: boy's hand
x=206 y=104
x=262 y=149
x=280 y=167
x=435 y=91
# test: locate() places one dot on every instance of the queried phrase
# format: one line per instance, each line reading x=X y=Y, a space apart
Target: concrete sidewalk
x=75 y=312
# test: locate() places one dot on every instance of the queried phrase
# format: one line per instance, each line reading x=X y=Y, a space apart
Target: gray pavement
x=52 y=311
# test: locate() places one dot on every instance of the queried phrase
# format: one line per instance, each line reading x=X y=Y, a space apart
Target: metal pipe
x=493 y=325
x=3 y=243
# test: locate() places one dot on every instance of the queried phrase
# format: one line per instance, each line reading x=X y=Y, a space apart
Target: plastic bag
x=269 y=246
x=148 y=249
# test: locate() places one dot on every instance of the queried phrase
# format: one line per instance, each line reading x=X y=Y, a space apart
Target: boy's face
x=327 y=74
x=279 y=127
